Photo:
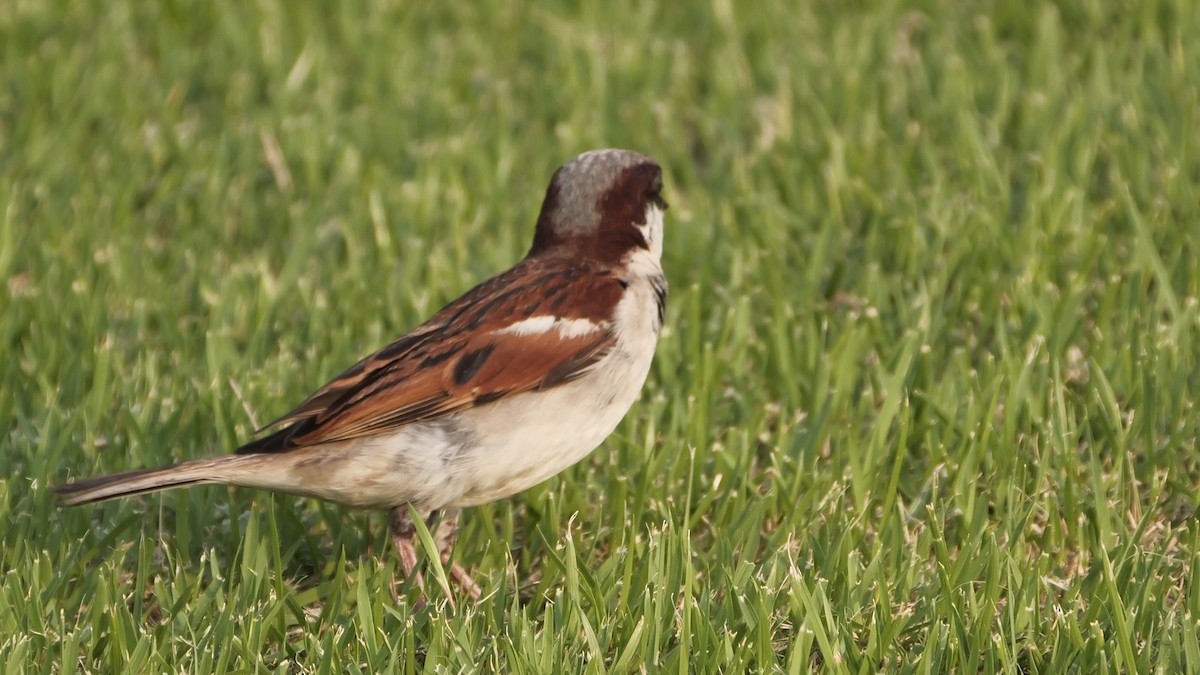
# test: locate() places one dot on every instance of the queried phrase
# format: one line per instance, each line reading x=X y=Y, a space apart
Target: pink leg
x=447 y=533
x=404 y=534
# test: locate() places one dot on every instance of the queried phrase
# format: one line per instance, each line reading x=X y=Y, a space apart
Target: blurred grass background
x=926 y=400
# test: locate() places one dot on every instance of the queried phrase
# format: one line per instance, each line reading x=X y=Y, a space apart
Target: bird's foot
x=404 y=536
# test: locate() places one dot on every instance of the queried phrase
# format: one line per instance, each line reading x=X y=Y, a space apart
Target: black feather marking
x=434 y=360
x=470 y=363
x=483 y=399
x=482 y=314
x=660 y=296
x=577 y=365
x=555 y=275
x=274 y=442
x=391 y=351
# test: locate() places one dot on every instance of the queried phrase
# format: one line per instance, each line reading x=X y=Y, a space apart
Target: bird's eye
x=654 y=192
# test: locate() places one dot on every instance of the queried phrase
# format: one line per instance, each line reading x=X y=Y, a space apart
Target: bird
x=512 y=383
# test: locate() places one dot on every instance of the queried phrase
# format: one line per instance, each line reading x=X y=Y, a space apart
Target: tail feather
x=146 y=480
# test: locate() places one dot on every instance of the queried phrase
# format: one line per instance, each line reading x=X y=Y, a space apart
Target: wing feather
x=463 y=356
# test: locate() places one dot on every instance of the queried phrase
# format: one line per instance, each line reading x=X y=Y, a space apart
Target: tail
x=197 y=472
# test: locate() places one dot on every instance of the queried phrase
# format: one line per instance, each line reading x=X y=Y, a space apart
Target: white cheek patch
x=536 y=325
x=652 y=230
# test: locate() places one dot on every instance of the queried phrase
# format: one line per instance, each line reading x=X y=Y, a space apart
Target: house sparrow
x=510 y=384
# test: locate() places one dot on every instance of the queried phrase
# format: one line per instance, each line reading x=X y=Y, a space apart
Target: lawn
x=926 y=399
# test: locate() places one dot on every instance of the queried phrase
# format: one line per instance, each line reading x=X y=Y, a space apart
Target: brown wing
x=463 y=357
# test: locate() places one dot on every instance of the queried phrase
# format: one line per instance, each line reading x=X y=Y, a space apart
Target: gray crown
x=582 y=181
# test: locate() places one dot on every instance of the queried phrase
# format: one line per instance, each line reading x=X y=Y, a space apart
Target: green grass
x=926 y=400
